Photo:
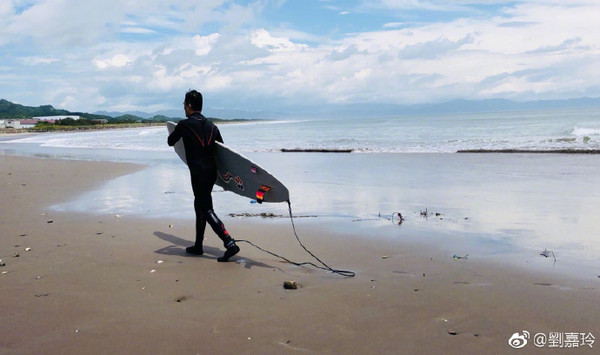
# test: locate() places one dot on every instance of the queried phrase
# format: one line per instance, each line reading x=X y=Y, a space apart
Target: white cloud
x=189 y=71
x=263 y=39
x=530 y=50
x=60 y=22
x=118 y=60
x=137 y=30
x=203 y=44
x=85 y=22
x=393 y=25
x=39 y=60
x=6 y=8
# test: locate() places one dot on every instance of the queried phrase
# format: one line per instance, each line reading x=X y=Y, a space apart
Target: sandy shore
x=105 y=284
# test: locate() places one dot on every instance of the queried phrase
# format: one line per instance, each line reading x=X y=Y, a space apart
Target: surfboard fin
x=260 y=194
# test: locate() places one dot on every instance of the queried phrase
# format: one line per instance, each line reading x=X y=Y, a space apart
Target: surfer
x=199 y=136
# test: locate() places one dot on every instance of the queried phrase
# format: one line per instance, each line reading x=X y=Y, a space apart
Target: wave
x=584 y=131
x=152 y=131
x=400 y=136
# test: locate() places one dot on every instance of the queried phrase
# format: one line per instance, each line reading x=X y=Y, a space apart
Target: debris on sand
x=267 y=215
x=456 y=257
x=263 y=215
x=546 y=253
x=397 y=218
x=290 y=285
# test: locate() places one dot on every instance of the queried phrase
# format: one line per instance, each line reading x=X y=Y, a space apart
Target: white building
x=10 y=123
x=29 y=123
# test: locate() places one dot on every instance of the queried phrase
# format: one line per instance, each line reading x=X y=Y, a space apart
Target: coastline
x=109 y=126
x=533 y=151
x=12 y=131
x=94 y=284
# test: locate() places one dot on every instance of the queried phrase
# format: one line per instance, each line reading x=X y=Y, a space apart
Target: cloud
x=137 y=30
x=67 y=23
x=118 y=60
x=39 y=60
x=204 y=44
x=60 y=22
x=261 y=38
x=140 y=57
x=394 y=25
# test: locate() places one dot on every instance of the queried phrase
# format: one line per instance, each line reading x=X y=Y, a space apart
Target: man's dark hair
x=194 y=98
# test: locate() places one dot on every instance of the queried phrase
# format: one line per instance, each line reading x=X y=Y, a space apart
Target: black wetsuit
x=199 y=136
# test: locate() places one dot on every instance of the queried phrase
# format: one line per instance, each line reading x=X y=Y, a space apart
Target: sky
x=277 y=55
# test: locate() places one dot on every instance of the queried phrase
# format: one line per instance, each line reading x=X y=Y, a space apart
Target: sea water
x=524 y=130
x=479 y=204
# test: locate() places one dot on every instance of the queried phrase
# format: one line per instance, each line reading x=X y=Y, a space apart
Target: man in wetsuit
x=199 y=136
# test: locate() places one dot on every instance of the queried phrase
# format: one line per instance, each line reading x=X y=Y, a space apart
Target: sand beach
x=77 y=283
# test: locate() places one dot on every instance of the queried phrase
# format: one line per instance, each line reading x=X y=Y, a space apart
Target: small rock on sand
x=290 y=285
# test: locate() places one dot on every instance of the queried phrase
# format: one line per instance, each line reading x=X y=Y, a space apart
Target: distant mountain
x=139 y=114
x=449 y=107
x=208 y=112
x=491 y=105
x=243 y=114
x=12 y=110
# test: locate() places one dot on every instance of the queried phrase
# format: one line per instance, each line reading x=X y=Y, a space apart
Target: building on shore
x=10 y=123
x=30 y=122
x=23 y=123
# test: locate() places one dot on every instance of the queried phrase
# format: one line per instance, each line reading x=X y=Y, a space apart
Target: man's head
x=192 y=102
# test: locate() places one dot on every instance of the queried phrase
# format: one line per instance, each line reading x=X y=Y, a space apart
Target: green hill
x=11 y=110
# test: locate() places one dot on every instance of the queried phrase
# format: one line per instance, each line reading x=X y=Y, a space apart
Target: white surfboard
x=240 y=175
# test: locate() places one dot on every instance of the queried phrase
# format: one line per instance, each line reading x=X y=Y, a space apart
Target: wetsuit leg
x=202 y=185
x=228 y=242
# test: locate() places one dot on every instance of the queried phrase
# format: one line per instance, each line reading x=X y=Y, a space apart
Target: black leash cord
x=325 y=267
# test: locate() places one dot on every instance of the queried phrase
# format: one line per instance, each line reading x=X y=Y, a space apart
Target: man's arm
x=174 y=137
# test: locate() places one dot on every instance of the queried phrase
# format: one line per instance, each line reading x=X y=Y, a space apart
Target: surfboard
x=240 y=175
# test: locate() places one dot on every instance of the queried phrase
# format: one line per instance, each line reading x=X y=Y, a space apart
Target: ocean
x=523 y=130
x=501 y=206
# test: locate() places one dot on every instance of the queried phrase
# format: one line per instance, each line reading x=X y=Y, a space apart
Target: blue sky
x=279 y=55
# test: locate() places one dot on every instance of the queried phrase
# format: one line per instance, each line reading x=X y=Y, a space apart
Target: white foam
x=584 y=131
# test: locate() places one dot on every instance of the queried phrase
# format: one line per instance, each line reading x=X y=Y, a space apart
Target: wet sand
x=96 y=284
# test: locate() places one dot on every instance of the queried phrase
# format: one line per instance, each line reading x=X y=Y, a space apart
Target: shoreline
x=109 y=126
x=59 y=129
x=124 y=284
x=532 y=151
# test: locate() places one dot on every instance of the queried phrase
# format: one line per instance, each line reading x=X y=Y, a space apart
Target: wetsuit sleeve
x=174 y=137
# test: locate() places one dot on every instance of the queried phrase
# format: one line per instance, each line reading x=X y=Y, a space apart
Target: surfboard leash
x=346 y=273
